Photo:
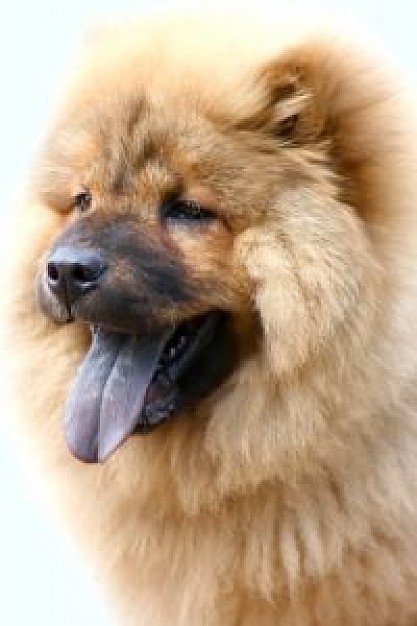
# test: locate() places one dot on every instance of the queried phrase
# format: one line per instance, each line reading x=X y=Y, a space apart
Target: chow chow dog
x=213 y=322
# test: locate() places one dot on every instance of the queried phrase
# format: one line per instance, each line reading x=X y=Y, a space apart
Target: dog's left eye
x=186 y=211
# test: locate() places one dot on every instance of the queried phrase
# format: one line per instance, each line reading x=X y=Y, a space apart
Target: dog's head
x=212 y=209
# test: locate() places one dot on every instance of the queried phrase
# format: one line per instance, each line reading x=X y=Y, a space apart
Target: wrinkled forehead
x=121 y=131
x=151 y=104
x=132 y=134
x=124 y=142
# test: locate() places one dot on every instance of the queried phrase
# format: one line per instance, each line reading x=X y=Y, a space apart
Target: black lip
x=205 y=363
x=202 y=335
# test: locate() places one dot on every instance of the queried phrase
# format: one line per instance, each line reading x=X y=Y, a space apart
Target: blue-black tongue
x=108 y=395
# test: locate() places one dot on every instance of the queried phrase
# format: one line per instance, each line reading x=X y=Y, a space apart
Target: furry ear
x=289 y=106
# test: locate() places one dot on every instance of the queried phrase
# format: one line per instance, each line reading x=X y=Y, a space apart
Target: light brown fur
x=290 y=496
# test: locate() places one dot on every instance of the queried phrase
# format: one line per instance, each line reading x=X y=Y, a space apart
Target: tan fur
x=290 y=496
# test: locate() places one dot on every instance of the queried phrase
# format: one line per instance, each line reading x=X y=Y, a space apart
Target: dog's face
x=202 y=222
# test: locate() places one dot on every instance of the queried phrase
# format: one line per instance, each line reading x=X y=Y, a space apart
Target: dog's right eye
x=82 y=201
x=186 y=212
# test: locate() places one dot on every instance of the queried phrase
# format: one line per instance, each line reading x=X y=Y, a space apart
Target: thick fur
x=290 y=495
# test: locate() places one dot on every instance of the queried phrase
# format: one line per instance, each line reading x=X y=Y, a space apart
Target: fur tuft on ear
x=288 y=103
x=284 y=103
x=294 y=89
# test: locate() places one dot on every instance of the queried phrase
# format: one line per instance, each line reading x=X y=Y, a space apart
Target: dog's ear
x=292 y=96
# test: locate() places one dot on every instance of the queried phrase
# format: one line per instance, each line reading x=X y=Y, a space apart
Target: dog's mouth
x=130 y=384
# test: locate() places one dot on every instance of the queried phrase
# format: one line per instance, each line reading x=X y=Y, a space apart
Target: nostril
x=86 y=271
x=52 y=272
x=82 y=274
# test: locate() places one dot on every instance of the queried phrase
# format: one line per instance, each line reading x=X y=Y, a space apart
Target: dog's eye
x=186 y=212
x=82 y=201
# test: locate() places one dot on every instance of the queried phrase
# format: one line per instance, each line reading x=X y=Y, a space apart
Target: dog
x=212 y=320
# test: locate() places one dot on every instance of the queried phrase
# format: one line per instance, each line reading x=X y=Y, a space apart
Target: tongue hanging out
x=106 y=402
x=129 y=384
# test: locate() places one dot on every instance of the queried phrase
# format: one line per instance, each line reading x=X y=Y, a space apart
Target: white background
x=43 y=581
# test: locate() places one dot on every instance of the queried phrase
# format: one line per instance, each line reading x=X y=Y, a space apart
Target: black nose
x=72 y=272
